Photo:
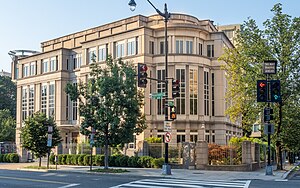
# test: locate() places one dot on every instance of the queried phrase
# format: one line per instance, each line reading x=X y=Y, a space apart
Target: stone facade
x=194 y=48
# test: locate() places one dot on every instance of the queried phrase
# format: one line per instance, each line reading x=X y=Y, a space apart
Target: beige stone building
x=194 y=47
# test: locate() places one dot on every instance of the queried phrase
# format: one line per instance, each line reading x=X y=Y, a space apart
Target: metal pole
x=269 y=169
x=91 y=160
x=166 y=84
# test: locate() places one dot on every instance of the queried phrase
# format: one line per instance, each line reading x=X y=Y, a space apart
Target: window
x=193 y=91
x=32 y=68
x=120 y=49
x=25 y=70
x=162 y=47
x=31 y=100
x=131 y=46
x=200 y=49
x=193 y=138
x=179 y=46
x=44 y=65
x=189 y=47
x=53 y=64
x=74 y=107
x=24 y=103
x=180 y=138
x=206 y=94
x=16 y=73
x=160 y=89
x=44 y=99
x=51 y=101
x=77 y=59
x=151 y=47
x=212 y=94
x=91 y=55
x=180 y=101
x=102 y=53
x=210 y=51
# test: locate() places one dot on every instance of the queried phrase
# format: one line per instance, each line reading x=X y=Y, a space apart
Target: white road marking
x=70 y=185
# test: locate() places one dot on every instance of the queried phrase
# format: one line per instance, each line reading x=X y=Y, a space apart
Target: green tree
x=8 y=91
x=279 y=39
x=35 y=134
x=7 y=126
x=110 y=103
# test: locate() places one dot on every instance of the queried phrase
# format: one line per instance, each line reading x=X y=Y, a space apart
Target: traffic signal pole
x=269 y=169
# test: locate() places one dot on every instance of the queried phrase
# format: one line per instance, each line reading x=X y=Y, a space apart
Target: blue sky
x=27 y=23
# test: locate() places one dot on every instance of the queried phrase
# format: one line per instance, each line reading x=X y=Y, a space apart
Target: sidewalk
x=176 y=173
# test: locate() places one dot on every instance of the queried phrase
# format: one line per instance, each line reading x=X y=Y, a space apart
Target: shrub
x=112 y=160
x=64 y=159
x=145 y=161
x=99 y=160
x=1 y=158
x=74 y=159
x=7 y=158
x=14 y=158
x=80 y=159
x=52 y=159
x=60 y=159
x=133 y=161
x=69 y=159
x=123 y=161
x=157 y=163
x=87 y=160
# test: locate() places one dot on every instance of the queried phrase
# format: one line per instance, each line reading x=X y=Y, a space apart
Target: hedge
x=114 y=160
x=9 y=158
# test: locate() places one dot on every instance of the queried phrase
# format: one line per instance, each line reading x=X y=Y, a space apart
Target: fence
x=224 y=155
x=7 y=148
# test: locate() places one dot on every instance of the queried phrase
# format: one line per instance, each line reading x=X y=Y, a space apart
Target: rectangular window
x=162 y=47
x=193 y=138
x=212 y=94
x=131 y=46
x=74 y=107
x=179 y=46
x=77 y=59
x=24 y=103
x=210 y=51
x=180 y=138
x=16 y=73
x=189 y=47
x=102 y=53
x=180 y=101
x=160 y=89
x=206 y=94
x=44 y=99
x=120 y=49
x=151 y=47
x=91 y=55
x=44 y=65
x=53 y=64
x=31 y=100
x=51 y=102
x=200 y=49
x=25 y=70
x=32 y=68
x=193 y=91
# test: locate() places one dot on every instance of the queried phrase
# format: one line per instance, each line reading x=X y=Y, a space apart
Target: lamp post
x=166 y=15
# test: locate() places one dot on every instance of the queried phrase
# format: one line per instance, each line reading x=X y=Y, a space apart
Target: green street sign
x=156 y=95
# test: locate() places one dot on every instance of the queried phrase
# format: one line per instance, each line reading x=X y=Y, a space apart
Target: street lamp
x=166 y=15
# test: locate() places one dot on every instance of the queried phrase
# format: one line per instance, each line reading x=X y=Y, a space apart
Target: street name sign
x=270 y=67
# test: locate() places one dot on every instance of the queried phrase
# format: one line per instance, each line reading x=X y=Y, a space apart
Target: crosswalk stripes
x=176 y=183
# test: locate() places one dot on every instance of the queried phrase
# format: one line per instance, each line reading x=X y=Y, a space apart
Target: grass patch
x=39 y=168
x=110 y=170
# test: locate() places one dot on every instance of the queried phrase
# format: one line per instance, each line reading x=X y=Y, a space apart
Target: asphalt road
x=25 y=179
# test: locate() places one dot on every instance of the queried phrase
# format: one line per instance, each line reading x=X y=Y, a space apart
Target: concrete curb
x=286 y=174
x=33 y=170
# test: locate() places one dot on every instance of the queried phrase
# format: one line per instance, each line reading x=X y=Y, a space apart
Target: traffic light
x=275 y=91
x=175 y=88
x=268 y=114
x=173 y=114
x=142 y=75
x=262 y=92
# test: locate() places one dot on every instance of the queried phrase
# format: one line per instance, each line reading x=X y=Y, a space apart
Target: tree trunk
x=106 y=153
x=40 y=161
x=278 y=142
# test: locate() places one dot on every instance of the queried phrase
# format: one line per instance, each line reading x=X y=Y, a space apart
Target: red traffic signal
x=142 y=75
x=262 y=91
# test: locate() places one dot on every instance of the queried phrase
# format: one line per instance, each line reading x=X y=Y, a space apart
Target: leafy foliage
x=7 y=126
x=8 y=91
x=278 y=40
x=110 y=104
x=35 y=134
